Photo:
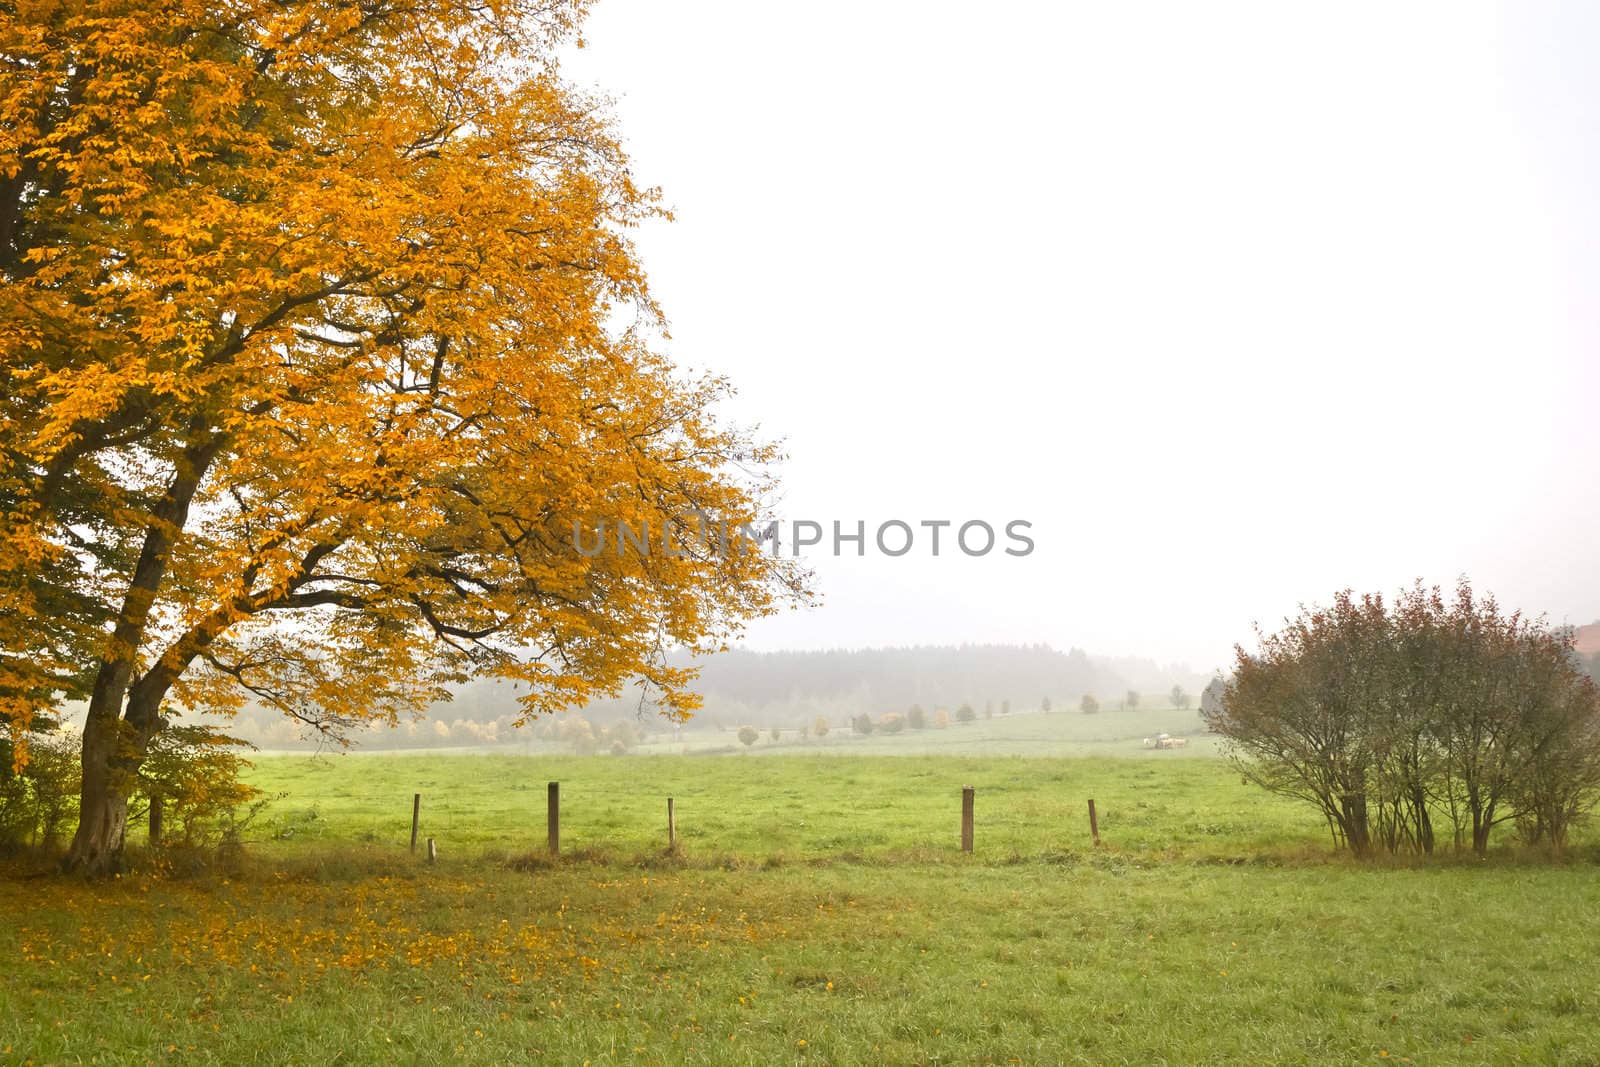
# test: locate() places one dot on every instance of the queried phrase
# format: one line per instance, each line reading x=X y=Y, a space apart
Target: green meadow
x=745 y=809
x=819 y=910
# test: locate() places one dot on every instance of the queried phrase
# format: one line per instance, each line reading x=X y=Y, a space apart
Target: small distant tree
x=624 y=734
x=916 y=718
x=820 y=727
x=1179 y=698
x=749 y=735
x=1088 y=705
x=1005 y=707
x=941 y=719
x=965 y=713
x=804 y=730
x=192 y=772
x=576 y=731
x=1044 y=705
x=776 y=734
x=863 y=725
x=1131 y=701
x=988 y=709
x=892 y=723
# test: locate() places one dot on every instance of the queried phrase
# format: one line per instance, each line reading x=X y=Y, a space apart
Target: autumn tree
x=1088 y=705
x=820 y=727
x=748 y=735
x=325 y=340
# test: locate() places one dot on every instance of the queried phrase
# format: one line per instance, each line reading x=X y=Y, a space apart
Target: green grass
x=820 y=913
x=797 y=807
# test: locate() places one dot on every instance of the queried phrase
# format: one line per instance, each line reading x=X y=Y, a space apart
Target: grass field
x=777 y=808
x=820 y=912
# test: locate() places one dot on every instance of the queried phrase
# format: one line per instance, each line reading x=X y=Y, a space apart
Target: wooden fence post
x=672 y=827
x=433 y=853
x=553 y=819
x=416 y=814
x=967 y=794
x=1094 y=824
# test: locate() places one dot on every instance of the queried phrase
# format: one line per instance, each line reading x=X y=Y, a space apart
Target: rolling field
x=819 y=912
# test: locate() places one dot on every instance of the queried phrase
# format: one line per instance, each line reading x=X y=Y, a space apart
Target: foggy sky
x=1238 y=304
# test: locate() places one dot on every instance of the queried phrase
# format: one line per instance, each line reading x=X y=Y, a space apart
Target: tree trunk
x=102 y=821
x=107 y=780
x=1356 y=827
x=114 y=742
x=103 y=802
x=1419 y=805
x=1482 y=824
x=114 y=747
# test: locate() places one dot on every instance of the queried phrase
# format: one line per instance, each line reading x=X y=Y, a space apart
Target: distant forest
x=783 y=689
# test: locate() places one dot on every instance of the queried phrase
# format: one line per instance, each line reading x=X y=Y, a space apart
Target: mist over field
x=787 y=690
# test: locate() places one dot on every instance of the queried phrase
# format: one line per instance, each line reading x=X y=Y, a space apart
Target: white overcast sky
x=1238 y=304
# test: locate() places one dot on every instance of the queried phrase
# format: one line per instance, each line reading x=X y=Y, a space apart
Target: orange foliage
x=322 y=331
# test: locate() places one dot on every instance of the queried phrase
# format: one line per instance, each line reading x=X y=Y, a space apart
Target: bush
x=192 y=774
x=39 y=802
x=965 y=713
x=1395 y=719
x=892 y=723
x=1088 y=705
x=748 y=735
